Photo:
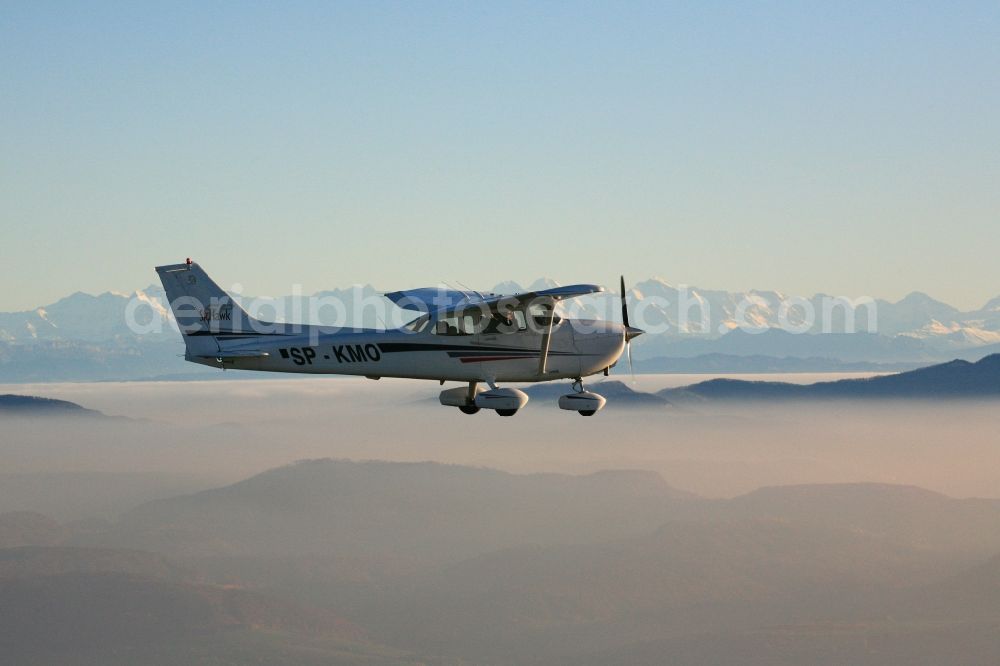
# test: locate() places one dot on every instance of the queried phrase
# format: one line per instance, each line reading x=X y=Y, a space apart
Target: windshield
x=418 y=324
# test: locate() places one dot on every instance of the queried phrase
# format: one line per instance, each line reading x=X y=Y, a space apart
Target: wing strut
x=546 y=339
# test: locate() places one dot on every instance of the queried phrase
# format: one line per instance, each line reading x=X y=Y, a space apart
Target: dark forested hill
x=28 y=405
x=956 y=379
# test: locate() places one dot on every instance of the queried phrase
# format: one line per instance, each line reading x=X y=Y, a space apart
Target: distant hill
x=89 y=606
x=538 y=601
x=969 y=595
x=31 y=561
x=774 y=556
x=956 y=379
x=902 y=514
x=28 y=405
x=426 y=512
x=509 y=568
x=68 y=496
x=618 y=393
x=885 y=641
x=119 y=619
x=97 y=609
x=951 y=620
x=28 y=528
x=758 y=364
x=120 y=358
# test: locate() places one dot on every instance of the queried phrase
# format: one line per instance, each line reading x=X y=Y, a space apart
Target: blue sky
x=851 y=148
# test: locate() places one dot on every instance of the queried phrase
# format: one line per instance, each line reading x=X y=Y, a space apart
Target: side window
x=454 y=326
x=541 y=314
x=498 y=323
x=471 y=324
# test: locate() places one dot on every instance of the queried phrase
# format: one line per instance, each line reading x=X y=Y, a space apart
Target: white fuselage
x=577 y=348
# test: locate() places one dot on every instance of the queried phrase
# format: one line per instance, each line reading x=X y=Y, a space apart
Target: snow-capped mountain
x=970 y=333
x=85 y=317
x=684 y=311
x=912 y=312
x=658 y=306
x=103 y=336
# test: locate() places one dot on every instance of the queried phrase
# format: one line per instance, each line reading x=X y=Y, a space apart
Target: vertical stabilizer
x=202 y=309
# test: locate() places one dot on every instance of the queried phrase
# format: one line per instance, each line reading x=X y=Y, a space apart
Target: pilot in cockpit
x=500 y=322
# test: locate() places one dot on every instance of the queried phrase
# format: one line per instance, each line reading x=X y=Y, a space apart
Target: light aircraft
x=461 y=336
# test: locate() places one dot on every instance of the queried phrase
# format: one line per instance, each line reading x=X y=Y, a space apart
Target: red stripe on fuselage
x=478 y=359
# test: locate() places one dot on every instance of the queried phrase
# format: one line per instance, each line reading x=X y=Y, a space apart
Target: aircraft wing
x=445 y=302
x=560 y=293
x=430 y=299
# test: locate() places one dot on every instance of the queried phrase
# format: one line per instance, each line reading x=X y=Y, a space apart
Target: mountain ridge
x=88 y=337
x=12 y=404
x=954 y=379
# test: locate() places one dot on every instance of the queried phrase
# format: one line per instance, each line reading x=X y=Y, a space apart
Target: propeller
x=630 y=332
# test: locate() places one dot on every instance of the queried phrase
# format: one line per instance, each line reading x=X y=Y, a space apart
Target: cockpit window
x=493 y=323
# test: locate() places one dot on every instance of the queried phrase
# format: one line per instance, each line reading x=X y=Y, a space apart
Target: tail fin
x=202 y=309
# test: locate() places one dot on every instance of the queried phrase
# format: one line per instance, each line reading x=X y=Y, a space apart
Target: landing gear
x=463 y=398
x=582 y=402
x=504 y=401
